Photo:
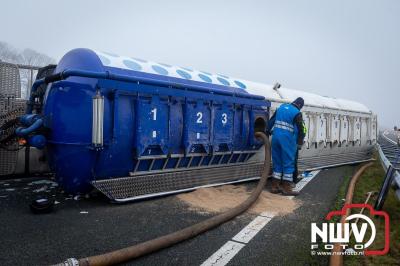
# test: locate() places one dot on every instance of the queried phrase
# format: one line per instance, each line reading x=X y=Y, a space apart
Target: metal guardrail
x=389 y=154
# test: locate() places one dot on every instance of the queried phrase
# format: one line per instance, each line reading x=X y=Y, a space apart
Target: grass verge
x=371 y=180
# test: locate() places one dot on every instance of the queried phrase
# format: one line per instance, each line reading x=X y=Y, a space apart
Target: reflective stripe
x=283 y=123
x=283 y=127
x=288 y=177
x=304 y=128
x=276 y=175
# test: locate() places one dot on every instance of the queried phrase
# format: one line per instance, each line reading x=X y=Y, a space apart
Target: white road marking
x=389 y=139
x=223 y=255
x=268 y=214
x=302 y=183
x=251 y=229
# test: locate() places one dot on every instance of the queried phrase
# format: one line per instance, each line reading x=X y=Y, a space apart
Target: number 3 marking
x=224 y=118
x=199 y=118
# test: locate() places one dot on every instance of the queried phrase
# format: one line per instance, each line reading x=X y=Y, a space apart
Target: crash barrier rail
x=389 y=154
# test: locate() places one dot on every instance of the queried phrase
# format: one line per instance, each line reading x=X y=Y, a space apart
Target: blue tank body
x=156 y=117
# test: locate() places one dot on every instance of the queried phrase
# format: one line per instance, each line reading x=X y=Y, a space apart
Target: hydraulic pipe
x=20 y=131
x=335 y=259
x=138 y=250
x=107 y=75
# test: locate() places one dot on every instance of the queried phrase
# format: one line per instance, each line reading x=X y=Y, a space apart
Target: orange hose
x=336 y=259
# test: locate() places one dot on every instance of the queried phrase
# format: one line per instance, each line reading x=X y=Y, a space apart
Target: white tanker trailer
x=339 y=131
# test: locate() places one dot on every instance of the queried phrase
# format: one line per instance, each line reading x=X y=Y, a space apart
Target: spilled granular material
x=219 y=199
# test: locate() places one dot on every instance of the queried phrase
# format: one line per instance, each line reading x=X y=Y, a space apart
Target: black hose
x=387 y=181
x=53 y=77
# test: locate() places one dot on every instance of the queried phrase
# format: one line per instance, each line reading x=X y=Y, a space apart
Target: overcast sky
x=348 y=49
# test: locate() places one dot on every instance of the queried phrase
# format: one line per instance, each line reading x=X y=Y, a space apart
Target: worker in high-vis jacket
x=288 y=132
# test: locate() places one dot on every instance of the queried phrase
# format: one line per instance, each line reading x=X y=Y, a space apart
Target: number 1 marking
x=154 y=111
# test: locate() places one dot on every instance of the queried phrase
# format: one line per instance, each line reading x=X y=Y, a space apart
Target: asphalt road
x=89 y=226
x=388 y=141
x=392 y=135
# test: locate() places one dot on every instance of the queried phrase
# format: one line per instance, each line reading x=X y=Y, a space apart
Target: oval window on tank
x=223 y=81
x=260 y=125
x=205 y=78
x=160 y=70
x=183 y=74
x=166 y=65
x=140 y=60
x=240 y=84
x=104 y=60
x=187 y=69
x=132 y=65
x=207 y=73
x=110 y=54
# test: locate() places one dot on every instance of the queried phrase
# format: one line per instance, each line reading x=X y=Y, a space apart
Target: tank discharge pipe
x=98 y=120
x=138 y=250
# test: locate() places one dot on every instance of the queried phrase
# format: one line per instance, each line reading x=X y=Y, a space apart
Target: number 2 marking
x=199 y=118
x=154 y=111
x=224 y=118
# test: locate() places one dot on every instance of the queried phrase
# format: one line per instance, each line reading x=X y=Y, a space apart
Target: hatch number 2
x=199 y=120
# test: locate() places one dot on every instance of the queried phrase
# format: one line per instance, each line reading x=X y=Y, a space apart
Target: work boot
x=287 y=189
x=275 y=186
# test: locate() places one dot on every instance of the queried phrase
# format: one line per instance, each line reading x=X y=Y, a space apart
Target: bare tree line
x=28 y=56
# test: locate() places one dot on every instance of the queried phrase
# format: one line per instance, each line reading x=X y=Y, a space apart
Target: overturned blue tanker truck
x=133 y=128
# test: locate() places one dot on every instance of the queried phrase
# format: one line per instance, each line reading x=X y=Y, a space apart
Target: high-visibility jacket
x=286 y=125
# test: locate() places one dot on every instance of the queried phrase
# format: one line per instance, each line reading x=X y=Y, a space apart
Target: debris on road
x=44 y=188
x=219 y=199
x=44 y=182
x=42 y=205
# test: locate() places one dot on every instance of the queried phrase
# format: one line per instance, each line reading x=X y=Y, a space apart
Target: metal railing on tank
x=15 y=83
